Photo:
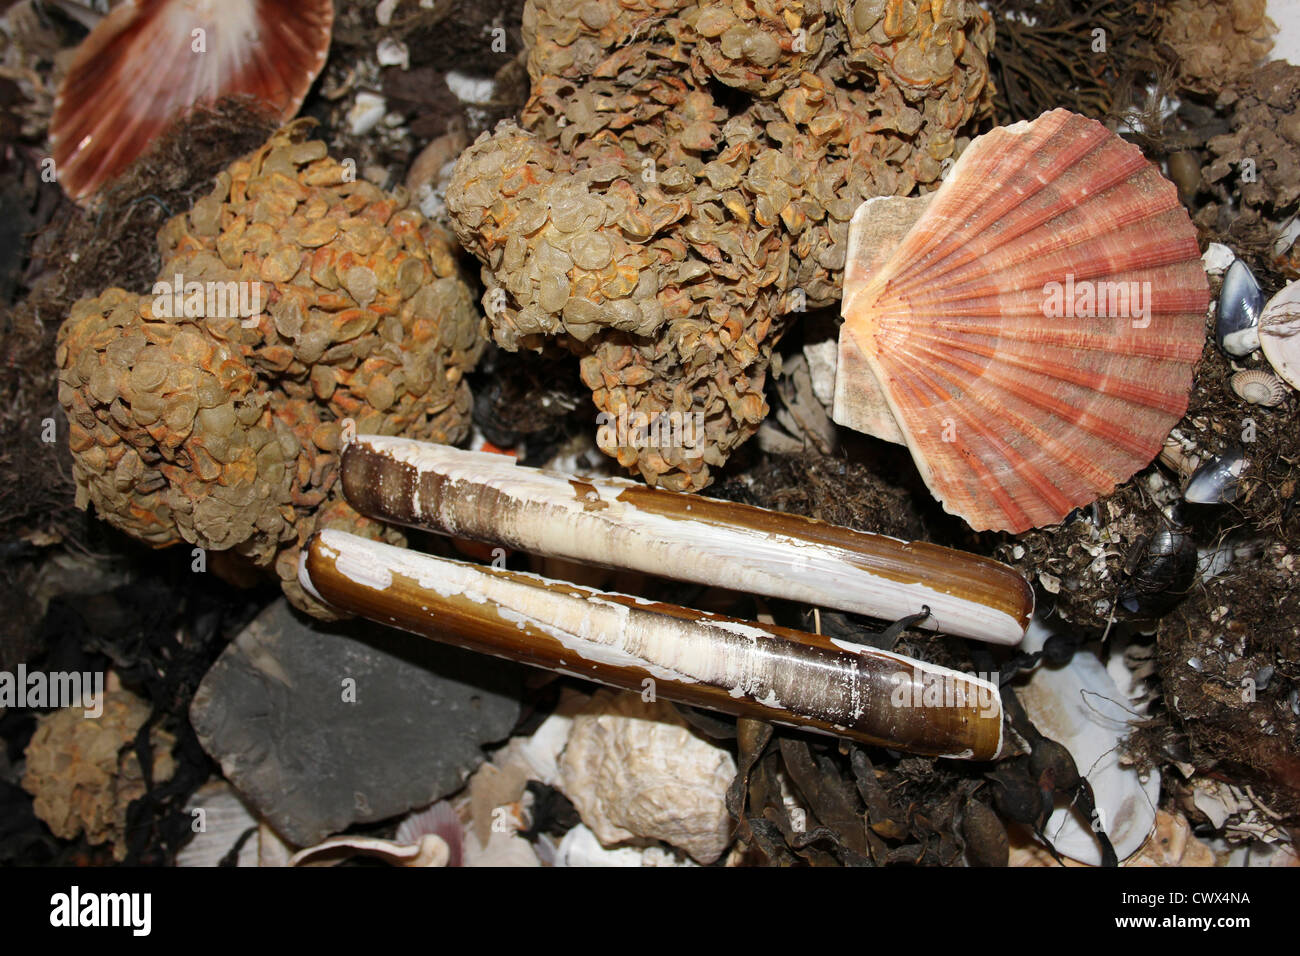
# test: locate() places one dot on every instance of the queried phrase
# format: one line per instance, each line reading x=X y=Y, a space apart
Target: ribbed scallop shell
x=142 y=67
x=1015 y=418
x=1259 y=387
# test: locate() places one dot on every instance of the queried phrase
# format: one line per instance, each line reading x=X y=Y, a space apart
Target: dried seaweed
x=1049 y=54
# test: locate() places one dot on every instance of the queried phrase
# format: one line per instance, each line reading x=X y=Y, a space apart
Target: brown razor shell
x=738 y=667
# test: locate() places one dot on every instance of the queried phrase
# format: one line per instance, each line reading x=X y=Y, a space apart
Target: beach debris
x=85 y=773
x=679 y=186
x=1255 y=119
x=1215 y=43
x=291 y=300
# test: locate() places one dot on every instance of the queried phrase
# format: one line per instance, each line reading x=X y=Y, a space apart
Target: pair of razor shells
x=763 y=671
x=736 y=666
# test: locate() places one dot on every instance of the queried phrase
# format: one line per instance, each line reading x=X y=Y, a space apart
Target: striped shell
x=1259 y=387
x=1032 y=337
x=149 y=61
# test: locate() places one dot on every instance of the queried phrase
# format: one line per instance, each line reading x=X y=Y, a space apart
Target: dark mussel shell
x=1236 y=324
x=1218 y=481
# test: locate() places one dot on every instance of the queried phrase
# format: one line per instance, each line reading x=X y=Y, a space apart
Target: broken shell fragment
x=1259 y=387
x=634 y=771
x=623 y=524
x=146 y=63
x=763 y=671
x=1034 y=334
x=1080 y=707
x=1236 y=323
x=1218 y=480
x=429 y=850
x=1279 y=333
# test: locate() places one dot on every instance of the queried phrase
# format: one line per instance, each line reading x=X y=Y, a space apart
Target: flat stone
x=320 y=726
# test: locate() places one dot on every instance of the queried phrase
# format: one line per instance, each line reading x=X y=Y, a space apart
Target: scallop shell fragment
x=1032 y=337
x=149 y=61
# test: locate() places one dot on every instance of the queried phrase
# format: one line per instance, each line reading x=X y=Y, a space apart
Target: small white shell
x=225 y=819
x=431 y=850
x=1217 y=258
x=1259 y=387
x=1279 y=333
x=581 y=848
x=1080 y=707
x=635 y=771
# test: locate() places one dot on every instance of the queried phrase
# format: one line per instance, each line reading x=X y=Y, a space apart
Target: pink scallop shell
x=1018 y=400
x=139 y=69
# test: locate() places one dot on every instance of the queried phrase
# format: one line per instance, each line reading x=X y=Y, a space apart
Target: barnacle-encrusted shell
x=665 y=231
x=84 y=774
x=635 y=771
x=1033 y=335
x=223 y=430
x=1259 y=387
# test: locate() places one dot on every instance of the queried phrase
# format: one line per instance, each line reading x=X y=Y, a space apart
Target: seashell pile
x=190 y=421
x=663 y=225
